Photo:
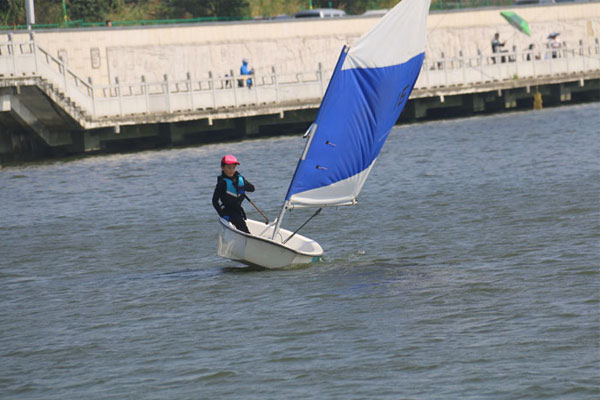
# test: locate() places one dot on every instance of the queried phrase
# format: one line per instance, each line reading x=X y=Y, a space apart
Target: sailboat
x=369 y=87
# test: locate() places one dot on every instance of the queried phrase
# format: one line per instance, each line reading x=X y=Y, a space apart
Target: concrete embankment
x=110 y=89
x=291 y=46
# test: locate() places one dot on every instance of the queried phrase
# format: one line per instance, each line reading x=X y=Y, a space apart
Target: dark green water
x=468 y=270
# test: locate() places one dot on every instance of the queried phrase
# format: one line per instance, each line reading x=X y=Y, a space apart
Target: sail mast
x=369 y=87
x=310 y=134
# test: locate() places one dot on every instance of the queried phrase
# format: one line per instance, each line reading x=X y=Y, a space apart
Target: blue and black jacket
x=229 y=194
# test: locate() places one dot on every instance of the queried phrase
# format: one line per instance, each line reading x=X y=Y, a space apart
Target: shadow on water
x=243 y=269
x=257 y=268
x=204 y=273
x=189 y=274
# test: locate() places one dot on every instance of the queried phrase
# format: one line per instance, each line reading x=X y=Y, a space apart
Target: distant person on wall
x=531 y=53
x=496 y=47
x=553 y=44
x=246 y=70
x=108 y=22
x=230 y=193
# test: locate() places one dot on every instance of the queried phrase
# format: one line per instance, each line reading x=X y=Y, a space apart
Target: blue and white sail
x=367 y=92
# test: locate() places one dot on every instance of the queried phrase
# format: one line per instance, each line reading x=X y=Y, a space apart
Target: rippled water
x=468 y=270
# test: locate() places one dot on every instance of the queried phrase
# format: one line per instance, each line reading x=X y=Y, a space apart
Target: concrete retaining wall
x=290 y=46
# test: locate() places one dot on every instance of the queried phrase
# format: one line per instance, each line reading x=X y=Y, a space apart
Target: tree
x=211 y=8
x=88 y=10
x=12 y=12
x=354 y=7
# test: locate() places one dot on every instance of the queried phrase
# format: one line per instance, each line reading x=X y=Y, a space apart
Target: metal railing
x=80 y=23
x=273 y=88
x=139 y=22
x=505 y=66
x=454 y=4
x=21 y=59
x=209 y=93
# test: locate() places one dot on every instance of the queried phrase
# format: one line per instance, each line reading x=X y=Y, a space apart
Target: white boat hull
x=257 y=248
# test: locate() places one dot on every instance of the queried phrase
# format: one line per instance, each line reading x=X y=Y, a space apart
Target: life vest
x=232 y=190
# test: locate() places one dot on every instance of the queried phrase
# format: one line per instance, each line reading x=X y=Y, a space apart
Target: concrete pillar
x=4 y=103
x=176 y=132
x=420 y=109
x=5 y=143
x=565 y=93
x=510 y=101
x=251 y=126
x=91 y=141
x=478 y=103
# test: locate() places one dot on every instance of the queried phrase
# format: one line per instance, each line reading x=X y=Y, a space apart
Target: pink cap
x=229 y=159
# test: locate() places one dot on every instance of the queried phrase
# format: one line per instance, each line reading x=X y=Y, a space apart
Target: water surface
x=469 y=269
